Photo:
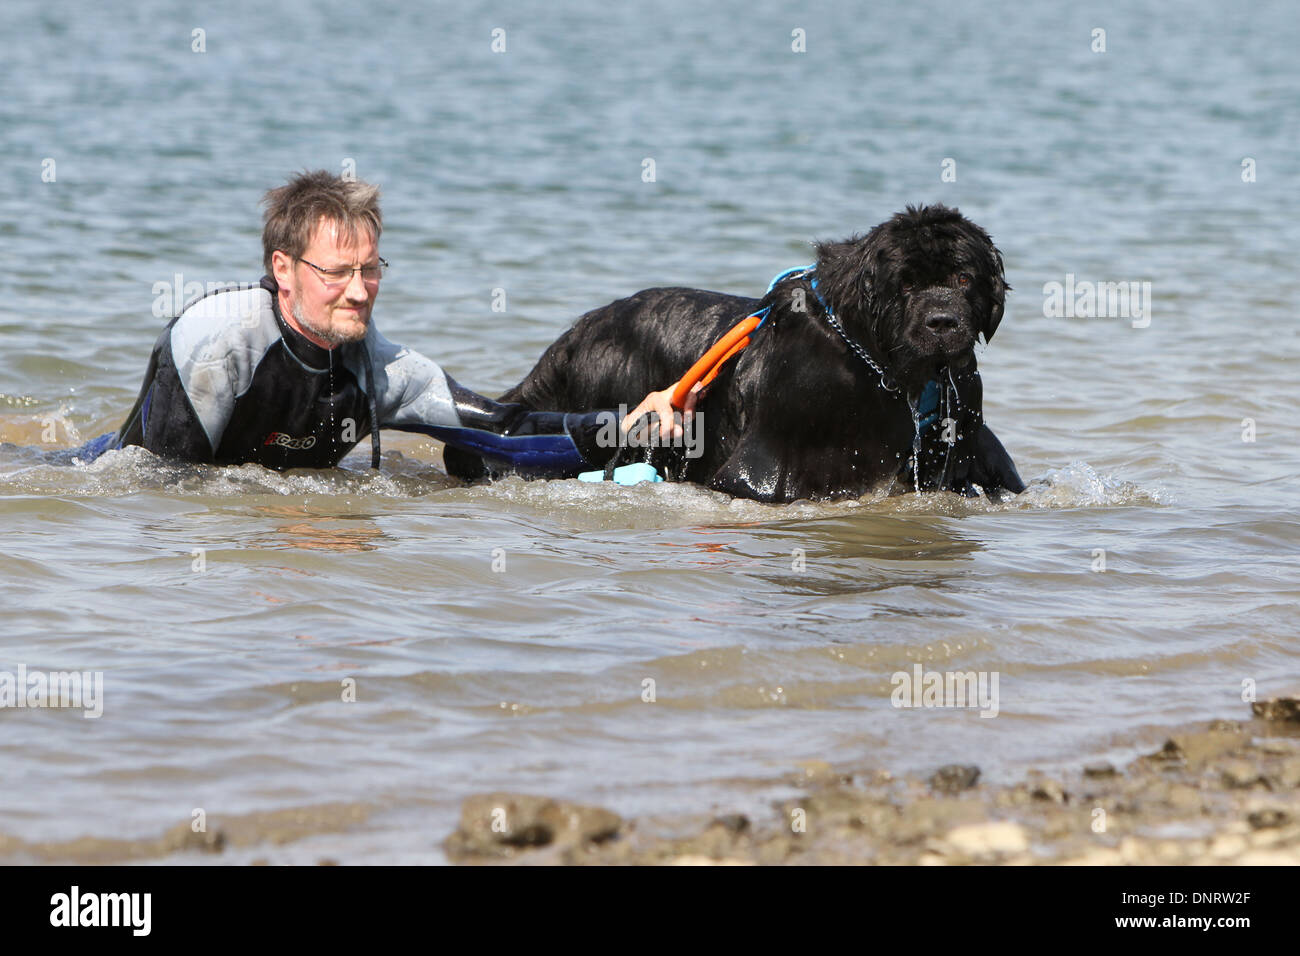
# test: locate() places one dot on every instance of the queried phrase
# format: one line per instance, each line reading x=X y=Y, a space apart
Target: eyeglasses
x=336 y=277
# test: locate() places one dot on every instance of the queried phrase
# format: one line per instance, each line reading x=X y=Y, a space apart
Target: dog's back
x=826 y=421
x=617 y=354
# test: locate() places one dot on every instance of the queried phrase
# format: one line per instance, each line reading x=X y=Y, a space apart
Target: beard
x=332 y=335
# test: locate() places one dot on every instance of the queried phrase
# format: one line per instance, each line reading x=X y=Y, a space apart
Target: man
x=292 y=373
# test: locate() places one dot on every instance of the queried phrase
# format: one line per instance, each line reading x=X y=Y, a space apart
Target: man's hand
x=661 y=404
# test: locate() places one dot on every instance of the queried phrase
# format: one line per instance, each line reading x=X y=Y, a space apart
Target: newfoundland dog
x=861 y=375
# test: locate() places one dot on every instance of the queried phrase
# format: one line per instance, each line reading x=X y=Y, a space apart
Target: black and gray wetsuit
x=230 y=382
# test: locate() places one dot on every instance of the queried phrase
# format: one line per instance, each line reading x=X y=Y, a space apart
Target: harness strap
x=373 y=390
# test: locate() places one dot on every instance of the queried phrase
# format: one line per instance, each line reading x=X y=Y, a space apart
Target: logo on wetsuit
x=288 y=441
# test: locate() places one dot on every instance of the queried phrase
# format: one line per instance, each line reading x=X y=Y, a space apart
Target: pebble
x=954 y=778
x=996 y=837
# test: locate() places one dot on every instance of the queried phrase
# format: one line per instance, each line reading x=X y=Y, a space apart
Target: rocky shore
x=1224 y=792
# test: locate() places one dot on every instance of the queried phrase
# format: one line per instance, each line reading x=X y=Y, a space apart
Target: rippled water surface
x=502 y=637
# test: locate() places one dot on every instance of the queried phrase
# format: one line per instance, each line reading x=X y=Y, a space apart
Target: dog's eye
x=907 y=288
x=964 y=280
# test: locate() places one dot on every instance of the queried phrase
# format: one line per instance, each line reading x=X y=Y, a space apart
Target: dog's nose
x=941 y=322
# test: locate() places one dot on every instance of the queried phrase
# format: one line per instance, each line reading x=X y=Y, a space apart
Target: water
x=500 y=637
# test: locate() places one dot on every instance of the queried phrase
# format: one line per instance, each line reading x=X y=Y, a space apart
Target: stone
x=501 y=824
x=1239 y=774
x=1196 y=749
x=954 y=778
x=736 y=823
x=980 y=839
x=1268 y=818
x=1277 y=708
x=1051 y=791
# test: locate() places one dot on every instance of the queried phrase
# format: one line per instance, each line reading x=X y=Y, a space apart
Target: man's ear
x=282 y=269
x=999 y=297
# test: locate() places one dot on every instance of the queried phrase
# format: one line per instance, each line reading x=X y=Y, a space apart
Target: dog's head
x=918 y=289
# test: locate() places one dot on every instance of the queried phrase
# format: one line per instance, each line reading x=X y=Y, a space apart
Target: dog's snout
x=941 y=322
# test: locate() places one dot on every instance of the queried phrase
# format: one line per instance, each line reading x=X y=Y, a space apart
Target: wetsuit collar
x=304 y=350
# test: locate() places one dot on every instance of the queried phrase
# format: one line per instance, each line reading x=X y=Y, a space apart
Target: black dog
x=863 y=372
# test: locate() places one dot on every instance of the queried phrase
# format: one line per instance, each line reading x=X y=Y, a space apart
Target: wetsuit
x=229 y=381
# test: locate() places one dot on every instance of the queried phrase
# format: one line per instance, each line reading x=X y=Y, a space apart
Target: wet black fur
x=797 y=414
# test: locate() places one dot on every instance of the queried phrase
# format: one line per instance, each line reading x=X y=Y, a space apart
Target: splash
x=130 y=470
x=49 y=428
x=1079 y=485
x=35 y=470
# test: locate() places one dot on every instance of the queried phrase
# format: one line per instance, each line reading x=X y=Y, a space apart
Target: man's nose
x=356 y=290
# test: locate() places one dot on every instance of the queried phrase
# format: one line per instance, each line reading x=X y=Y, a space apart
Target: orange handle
x=713 y=373
x=711 y=363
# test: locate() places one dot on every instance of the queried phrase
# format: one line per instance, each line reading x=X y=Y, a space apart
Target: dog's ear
x=839 y=265
x=856 y=277
x=998 y=293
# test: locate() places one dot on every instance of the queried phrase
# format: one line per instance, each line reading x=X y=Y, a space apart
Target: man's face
x=329 y=312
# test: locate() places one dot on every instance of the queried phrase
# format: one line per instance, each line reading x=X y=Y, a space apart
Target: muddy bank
x=209 y=840
x=1224 y=792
